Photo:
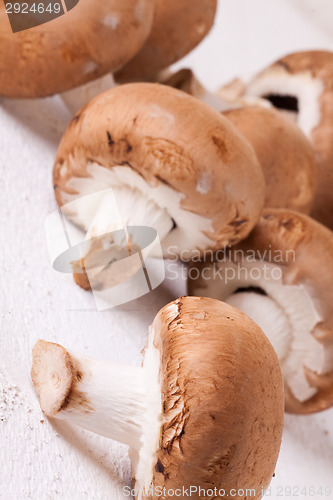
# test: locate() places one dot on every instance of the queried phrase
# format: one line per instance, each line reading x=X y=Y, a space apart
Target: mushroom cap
x=168 y=142
x=283 y=233
x=285 y=154
x=94 y=38
x=308 y=76
x=222 y=395
x=178 y=27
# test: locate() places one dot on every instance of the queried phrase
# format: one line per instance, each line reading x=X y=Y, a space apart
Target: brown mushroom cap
x=178 y=27
x=94 y=38
x=166 y=140
x=295 y=83
x=303 y=250
x=284 y=153
x=222 y=396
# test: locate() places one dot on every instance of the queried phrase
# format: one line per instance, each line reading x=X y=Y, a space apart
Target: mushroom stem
x=106 y=398
x=78 y=97
x=113 y=235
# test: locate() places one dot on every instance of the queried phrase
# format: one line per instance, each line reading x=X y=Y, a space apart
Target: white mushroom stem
x=110 y=400
x=76 y=98
x=113 y=235
x=120 y=402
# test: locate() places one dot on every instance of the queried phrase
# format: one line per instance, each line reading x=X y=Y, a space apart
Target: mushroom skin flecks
x=206 y=407
x=173 y=163
x=281 y=276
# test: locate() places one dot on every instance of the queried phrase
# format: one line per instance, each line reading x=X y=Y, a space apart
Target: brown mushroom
x=286 y=156
x=204 y=411
x=281 y=276
x=301 y=84
x=173 y=164
x=96 y=37
x=178 y=27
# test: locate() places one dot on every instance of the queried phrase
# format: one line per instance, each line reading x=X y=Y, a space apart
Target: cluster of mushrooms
x=245 y=171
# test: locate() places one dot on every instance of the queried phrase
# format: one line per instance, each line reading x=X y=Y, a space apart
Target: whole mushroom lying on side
x=178 y=27
x=205 y=409
x=281 y=276
x=93 y=39
x=301 y=84
x=172 y=162
x=285 y=154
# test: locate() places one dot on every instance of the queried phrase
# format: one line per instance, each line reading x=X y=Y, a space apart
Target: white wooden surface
x=41 y=460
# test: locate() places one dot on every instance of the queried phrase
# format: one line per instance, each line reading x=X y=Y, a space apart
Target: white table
x=41 y=460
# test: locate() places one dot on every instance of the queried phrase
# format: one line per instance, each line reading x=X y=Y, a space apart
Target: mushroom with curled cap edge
x=205 y=409
x=173 y=164
x=93 y=39
x=178 y=27
x=285 y=154
x=301 y=84
x=281 y=276
x=185 y=80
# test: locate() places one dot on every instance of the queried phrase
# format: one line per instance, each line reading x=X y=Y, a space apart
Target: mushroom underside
x=296 y=95
x=108 y=200
x=286 y=313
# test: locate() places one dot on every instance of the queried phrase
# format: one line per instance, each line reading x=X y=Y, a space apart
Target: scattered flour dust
x=11 y=398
